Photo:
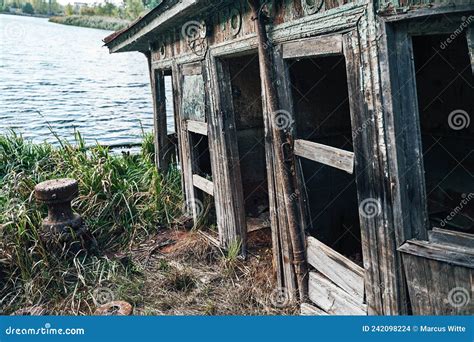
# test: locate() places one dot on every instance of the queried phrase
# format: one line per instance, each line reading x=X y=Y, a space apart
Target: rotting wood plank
x=203 y=184
x=443 y=236
x=441 y=252
x=435 y=285
x=332 y=299
x=337 y=268
x=197 y=127
x=318 y=46
x=311 y=310
x=284 y=160
x=326 y=155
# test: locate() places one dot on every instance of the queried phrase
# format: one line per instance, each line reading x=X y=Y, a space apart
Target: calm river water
x=61 y=76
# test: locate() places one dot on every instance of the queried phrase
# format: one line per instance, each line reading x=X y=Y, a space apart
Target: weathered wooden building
x=342 y=125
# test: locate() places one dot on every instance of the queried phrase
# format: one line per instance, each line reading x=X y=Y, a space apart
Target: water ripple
x=62 y=77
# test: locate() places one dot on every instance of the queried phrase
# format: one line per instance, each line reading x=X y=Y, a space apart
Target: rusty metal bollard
x=62 y=224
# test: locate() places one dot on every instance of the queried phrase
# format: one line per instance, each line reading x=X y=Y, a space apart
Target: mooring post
x=62 y=225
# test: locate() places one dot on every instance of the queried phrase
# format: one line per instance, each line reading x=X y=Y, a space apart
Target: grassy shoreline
x=147 y=252
x=98 y=22
x=123 y=199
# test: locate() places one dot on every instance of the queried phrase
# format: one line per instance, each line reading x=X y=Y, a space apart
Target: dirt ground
x=185 y=274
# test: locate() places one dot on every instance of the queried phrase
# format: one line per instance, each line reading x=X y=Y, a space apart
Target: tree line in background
x=128 y=9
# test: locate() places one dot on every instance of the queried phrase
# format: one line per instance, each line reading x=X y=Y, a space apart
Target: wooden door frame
x=402 y=100
x=228 y=191
x=384 y=286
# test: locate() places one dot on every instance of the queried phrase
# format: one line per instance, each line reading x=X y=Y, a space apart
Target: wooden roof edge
x=134 y=36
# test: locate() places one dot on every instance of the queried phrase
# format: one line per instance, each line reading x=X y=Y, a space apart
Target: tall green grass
x=122 y=198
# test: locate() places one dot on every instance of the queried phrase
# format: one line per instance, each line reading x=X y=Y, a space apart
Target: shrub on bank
x=99 y=22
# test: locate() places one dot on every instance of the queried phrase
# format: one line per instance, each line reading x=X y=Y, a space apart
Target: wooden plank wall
x=440 y=275
x=218 y=20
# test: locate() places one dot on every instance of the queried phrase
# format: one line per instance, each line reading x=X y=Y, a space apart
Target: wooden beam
x=449 y=237
x=197 y=127
x=336 y=267
x=326 y=155
x=311 y=310
x=203 y=184
x=332 y=299
x=435 y=251
x=319 y=46
x=283 y=156
x=143 y=28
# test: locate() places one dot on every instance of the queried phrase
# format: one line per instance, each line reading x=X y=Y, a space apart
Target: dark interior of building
x=247 y=103
x=445 y=86
x=321 y=105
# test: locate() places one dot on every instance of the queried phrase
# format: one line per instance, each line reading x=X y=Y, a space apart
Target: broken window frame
x=185 y=128
x=413 y=216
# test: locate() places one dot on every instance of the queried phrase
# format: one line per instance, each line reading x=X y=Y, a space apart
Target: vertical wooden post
x=282 y=153
x=227 y=179
x=162 y=144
